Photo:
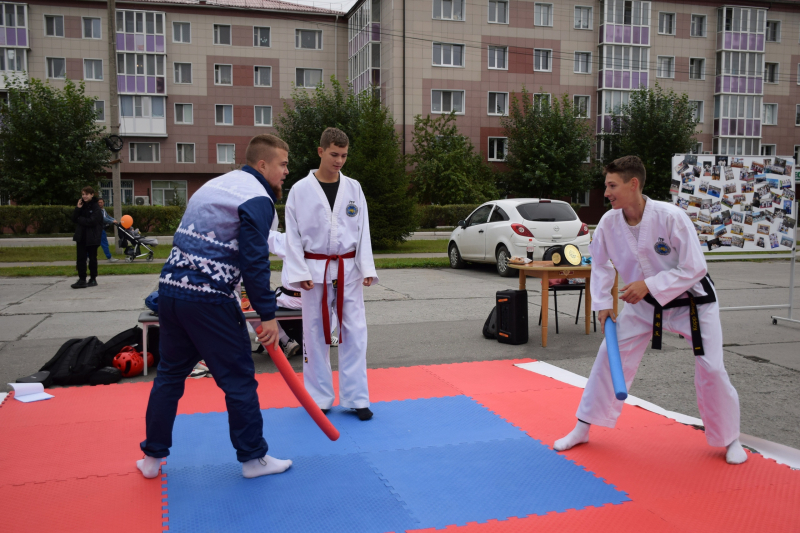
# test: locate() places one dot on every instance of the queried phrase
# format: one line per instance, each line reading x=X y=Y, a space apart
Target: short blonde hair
x=333 y=136
x=263 y=147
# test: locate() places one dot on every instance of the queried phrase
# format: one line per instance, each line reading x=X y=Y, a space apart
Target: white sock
x=579 y=435
x=149 y=466
x=735 y=454
x=264 y=466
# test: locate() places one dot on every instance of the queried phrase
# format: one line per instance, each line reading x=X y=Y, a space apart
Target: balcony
x=142 y=116
x=621 y=79
x=749 y=42
x=739 y=84
x=14 y=37
x=737 y=127
x=624 y=34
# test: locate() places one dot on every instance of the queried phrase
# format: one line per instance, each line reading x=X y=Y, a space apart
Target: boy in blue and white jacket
x=222 y=239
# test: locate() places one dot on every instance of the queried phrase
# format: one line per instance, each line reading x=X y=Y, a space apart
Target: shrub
x=430 y=216
x=24 y=219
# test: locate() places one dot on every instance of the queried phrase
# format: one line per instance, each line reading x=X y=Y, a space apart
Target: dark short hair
x=262 y=147
x=333 y=136
x=627 y=168
x=88 y=190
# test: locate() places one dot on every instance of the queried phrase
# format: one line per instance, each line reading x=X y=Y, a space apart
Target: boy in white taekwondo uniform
x=655 y=248
x=328 y=252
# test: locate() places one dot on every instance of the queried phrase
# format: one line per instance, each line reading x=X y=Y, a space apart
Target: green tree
x=50 y=145
x=447 y=169
x=548 y=144
x=653 y=125
x=374 y=159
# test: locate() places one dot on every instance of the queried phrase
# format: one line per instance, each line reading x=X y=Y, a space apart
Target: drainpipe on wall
x=336 y=48
x=404 y=77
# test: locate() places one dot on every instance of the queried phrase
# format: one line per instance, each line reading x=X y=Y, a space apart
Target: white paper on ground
x=29 y=392
x=771 y=450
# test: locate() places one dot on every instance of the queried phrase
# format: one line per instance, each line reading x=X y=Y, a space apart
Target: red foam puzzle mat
x=68 y=464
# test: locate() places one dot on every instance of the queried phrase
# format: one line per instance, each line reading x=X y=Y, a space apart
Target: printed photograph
x=716 y=219
x=720 y=230
x=774 y=183
x=729 y=188
x=683 y=203
x=747 y=187
x=716 y=207
x=725 y=240
x=705 y=204
x=736 y=229
x=697 y=171
x=707 y=229
x=727 y=202
x=738 y=242
x=760 y=242
x=765 y=202
x=715 y=172
x=758 y=217
x=773 y=240
x=702 y=217
x=702 y=188
x=756 y=167
x=674 y=187
x=769 y=217
x=747 y=177
x=726 y=217
x=787 y=207
x=738 y=199
x=788 y=170
x=776 y=200
x=687 y=177
x=694 y=201
x=788 y=194
x=750 y=237
x=728 y=173
x=763 y=229
x=707 y=168
x=748 y=220
x=737 y=162
x=681 y=167
x=761 y=178
x=789 y=221
x=687 y=188
x=721 y=160
x=778 y=212
x=737 y=217
x=692 y=215
x=690 y=159
x=763 y=190
x=786 y=241
x=786 y=183
x=713 y=244
x=746 y=207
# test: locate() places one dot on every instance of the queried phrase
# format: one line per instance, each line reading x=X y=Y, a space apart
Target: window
x=100 y=109
x=498 y=215
x=93 y=69
x=541 y=100
x=225 y=153
x=107 y=192
x=624 y=58
x=145 y=153
x=448 y=9
x=582 y=198
x=447 y=101
x=767 y=149
x=732 y=106
x=308 y=39
x=583 y=18
x=166 y=192
x=740 y=63
x=614 y=101
x=448 y=55
x=183 y=114
x=541 y=60
x=498 y=11
x=183 y=72
x=181 y=32
x=223 y=115
x=222 y=34
x=543 y=14
x=666 y=23
x=14 y=15
x=263 y=115
x=666 y=67
x=698 y=26
x=770 y=114
x=56 y=67
x=697 y=148
x=771 y=72
x=141 y=106
x=497 y=148
x=773 y=31
x=697 y=110
x=132 y=64
x=262 y=76
x=223 y=74
x=697 y=68
x=53 y=25
x=185 y=152
x=634 y=13
x=12 y=59
x=145 y=22
x=498 y=57
x=583 y=62
x=260 y=36
x=581 y=106
x=797 y=122
x=308 y=77
x=797 y=146
x=498 y=103
x=91 y=28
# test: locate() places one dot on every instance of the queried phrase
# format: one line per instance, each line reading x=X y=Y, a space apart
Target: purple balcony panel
x=160 y=85
x=376 y=31
x=609 y=79
x=742 y=84
x=727 y=40
x=753 y=42
x=602 y=34
x=741 y=127
x=606 y=123
x=160 y=43
x=716 y=126
x=618 y=30
x=751 y=85
x=129 y=45
x=627 y=35
x=634 y=80
x=11 y=36
x=609 y=33
x=726 y=84
x=643 y=78
x=618 y=80
x=139 y=84
x=151 y=84
x=757 y=128
x=600 y=80
x=718 y=85
x=120 y=42
x=636 y=35
x=646 y=36
x=626 y=80
x=719 y=41
x=735 y=41
x=121 y=83
x=760 y=42
x=2 y=37
x=759 y=86
x=150 y=43
x=724 y=126
x=130 y=84
x=748 y=128
x=139 y=42
x=22 y=37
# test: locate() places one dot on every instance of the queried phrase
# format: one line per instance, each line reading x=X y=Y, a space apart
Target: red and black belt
x=339 y=283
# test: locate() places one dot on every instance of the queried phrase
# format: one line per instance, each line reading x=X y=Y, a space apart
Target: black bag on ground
x=39 y=377
x=129 y=337
x=75 y=361
x=490 y=326
x=105 y=376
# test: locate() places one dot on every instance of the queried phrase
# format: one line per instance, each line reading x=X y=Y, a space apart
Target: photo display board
x=737 y=202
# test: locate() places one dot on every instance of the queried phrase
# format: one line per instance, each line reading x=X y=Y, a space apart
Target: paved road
x=435 y=316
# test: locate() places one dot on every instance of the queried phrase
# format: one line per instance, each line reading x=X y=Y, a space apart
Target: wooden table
x=546 y=271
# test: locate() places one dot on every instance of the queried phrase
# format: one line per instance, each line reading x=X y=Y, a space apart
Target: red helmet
x=129 y=362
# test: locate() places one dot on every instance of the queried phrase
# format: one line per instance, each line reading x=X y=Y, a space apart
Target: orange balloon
x=126 y=221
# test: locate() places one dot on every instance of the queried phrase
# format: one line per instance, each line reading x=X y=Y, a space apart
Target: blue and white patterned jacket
x=222 y=238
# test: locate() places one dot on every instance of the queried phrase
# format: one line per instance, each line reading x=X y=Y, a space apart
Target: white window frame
x=216 y=71
x=153 y=189
x=489 y=147
x=696 y=149
x=223 y=114
x=269 y=30
x=659 y=69
x=796 y=153
x=489 y=14
x=702 y=69
x=55 y=27
x=104 y=109
x=47 y=68
x=216 y=34
x=586 y=194
x=321 y=77
x=701 y=110
x=234 y=154
x=766 y=31
x=575 y=63
x=591 y=18
x=175 y=114
x=298 y=39
x=11 y=64
x=488 y=104
x=773 y=149
x=777 y=72
x=443 y=112
x=83 y=27
x=692 y=25
x=764 y=115
x=178 y=154
x=175 y=73
x=549 y=98
x=549 y=60
x=254 y=75
x=173 y=32
x=588 y=104
x=493 y=50
x=131 y=151
x=93 y=69
x=549 y=22
x=255 y=108
x=441 y=55
x=796 y=119
x=440 y=4
x=674 y=22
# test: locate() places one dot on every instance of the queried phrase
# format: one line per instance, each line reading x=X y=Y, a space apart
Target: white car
x=499 y=229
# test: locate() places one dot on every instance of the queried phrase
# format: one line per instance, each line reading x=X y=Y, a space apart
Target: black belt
x=692 y=301
x=287 y=292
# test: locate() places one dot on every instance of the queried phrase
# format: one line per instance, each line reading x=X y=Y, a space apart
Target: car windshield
x=547 y=212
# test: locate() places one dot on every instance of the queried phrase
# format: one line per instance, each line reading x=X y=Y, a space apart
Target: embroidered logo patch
x=662 y=248
x=351 y=209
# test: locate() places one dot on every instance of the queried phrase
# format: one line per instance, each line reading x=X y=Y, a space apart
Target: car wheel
x=502 y=263
x=455 y=257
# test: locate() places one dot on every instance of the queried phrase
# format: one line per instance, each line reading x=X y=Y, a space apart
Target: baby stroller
x=133 y=242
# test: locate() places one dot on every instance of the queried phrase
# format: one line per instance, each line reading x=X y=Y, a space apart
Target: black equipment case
x=512 y=316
